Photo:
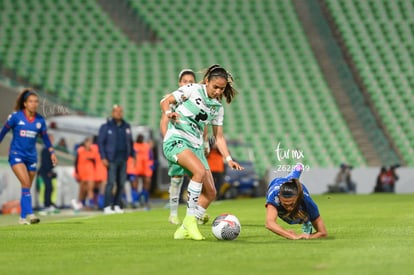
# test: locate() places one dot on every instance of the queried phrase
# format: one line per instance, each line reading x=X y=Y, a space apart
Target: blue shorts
x=131 y=177
x=31 y=164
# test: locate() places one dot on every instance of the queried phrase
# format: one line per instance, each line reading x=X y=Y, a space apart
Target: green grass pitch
x=368 y=234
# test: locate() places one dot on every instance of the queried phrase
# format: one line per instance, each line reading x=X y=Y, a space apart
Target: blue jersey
x=308 y=205
x=25 y=132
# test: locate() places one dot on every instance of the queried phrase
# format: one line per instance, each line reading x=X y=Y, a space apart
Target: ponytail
x=215 y=71
x=22 y=98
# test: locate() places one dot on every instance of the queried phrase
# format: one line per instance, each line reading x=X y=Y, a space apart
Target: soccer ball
x=226 y=227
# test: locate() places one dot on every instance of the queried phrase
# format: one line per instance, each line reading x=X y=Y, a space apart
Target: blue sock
x=145 y=194
x=134 y=194
x=26 y=203
x=91 y=203
x=101 y=201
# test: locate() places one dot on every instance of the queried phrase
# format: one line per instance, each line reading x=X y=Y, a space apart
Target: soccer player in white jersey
x=176 y=172
x=197 y=106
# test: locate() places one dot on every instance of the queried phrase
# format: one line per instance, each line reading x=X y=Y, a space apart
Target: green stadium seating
x=76 y=51
x=379 y=37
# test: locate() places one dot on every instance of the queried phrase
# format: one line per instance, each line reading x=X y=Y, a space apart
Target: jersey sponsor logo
x=21 y=122
x=28 y=133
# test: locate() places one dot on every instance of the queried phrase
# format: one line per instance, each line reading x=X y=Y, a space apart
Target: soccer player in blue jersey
x=197 y=106
x=26 y=125
x=289 y=200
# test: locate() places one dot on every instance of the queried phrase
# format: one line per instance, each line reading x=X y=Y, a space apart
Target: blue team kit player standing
x=26 y=125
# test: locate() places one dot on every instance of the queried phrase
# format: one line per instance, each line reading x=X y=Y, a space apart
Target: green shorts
x=175 y=169
x=172 y=147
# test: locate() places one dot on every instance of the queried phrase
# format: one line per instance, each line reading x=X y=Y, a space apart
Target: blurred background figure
x=85 y=172
x=62 y=146
x=46 y=175
x=100 y=176
x=343 y=182
x=115 y=147
x=141 y=172
x=386 y=179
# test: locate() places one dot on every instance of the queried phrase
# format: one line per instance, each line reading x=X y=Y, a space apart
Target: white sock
x=194 y=191
x=199 y=212
x=175 y=188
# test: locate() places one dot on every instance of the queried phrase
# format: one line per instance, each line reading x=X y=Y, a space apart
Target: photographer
x=343 y=182
x=388 y=185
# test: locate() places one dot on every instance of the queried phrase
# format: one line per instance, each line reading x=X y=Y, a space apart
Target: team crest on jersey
x=183 y=98
x=38 y=125
x=213 y=110
x=128 y=131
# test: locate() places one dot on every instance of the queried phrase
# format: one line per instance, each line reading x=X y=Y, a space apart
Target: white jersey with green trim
x=196 y=110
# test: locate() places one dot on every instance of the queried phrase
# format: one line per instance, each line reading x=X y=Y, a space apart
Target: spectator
x=115 y=146
x=389 y=179
x=381 y=178
x=26 y=125
x=343 y=181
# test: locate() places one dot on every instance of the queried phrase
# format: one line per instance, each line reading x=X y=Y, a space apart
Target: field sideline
x=368 y=234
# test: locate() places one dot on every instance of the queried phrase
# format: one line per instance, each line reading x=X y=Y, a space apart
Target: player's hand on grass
x=304 y=236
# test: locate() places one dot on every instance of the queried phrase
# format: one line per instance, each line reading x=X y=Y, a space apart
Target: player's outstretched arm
x=222 y=146
x=272 y=225
x=319 y=225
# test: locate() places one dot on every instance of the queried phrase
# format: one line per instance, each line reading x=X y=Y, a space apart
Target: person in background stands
x=115 y=146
